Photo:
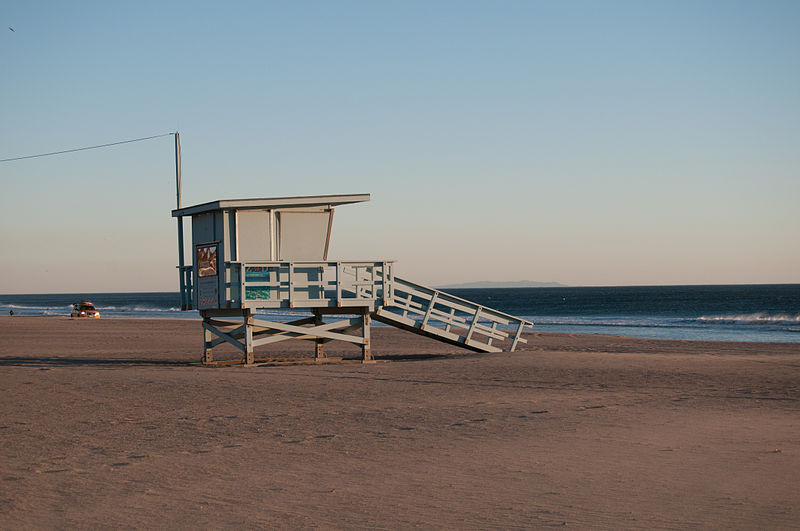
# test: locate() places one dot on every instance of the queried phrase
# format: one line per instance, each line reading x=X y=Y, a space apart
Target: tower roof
x=272 y=203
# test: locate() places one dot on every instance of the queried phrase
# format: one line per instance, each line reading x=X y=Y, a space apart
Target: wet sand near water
x=111 y=423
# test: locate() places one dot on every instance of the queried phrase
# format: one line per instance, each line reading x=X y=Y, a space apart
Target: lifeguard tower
x=256 y=255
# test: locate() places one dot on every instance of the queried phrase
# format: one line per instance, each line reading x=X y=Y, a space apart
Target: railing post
x=491 y=337
x=517 y=336
x=242 y=286
x=450 y=320
x=473 y=324
x=373 y=290
x=249 y=357
x=366 y=348
x=359 y=287
x=385 y=283
x=187 y=293
x=319 y=343
x=291 y=284
x=430 y=310
x=338 y=284
x=208 y=356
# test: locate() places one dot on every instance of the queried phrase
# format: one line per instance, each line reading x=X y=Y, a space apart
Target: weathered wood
x=248 y=343
x=517 y=336
x=223 y=336
x=322 y=331
x=366 y=348
x=319 y=346
x=431 y=304
x=236 y=334
x=346 y=330
x=451 y=317
x=217 y=323
x=349 y=310
x=405 y=286
x=431 y=332
x=450 y=321
x=208 y=356
x=339 y=274
x=474 y=324
x=492 y=334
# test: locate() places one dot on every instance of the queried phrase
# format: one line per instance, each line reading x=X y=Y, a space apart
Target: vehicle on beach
x=84 y=309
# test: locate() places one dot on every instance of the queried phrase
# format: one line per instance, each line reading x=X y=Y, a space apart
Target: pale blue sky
x=589 y=143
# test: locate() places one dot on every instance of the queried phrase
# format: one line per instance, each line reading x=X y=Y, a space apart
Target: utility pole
x=181 y=260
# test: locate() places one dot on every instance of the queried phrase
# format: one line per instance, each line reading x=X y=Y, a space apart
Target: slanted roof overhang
x=326 y=201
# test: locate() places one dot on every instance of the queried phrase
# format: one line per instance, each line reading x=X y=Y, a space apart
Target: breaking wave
x=758 y=318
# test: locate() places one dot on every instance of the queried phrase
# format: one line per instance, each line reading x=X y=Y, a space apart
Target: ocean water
x=768 y=313
x=716 y=313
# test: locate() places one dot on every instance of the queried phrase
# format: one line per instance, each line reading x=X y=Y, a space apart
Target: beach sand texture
x=104 y=424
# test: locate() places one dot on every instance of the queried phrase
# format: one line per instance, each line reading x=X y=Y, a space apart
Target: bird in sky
x=12 y=29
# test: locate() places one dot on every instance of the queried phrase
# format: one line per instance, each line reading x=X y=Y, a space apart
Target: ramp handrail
x=444 y=312
x=459 y=303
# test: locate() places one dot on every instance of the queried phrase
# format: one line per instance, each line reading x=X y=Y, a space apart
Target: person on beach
x=11 y=313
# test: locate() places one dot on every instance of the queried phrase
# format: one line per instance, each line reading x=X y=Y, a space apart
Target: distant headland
x=513 y=284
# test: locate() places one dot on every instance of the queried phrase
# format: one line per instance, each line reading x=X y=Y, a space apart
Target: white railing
x=452 y=317
x=309 y=284
x=187 y=294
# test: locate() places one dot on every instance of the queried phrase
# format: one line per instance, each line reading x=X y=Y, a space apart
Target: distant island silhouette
x=512 y=284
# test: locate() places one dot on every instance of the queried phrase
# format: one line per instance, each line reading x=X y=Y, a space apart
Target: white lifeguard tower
x=252 y=255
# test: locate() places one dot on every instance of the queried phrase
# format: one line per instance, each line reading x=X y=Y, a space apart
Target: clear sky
x=584 y=142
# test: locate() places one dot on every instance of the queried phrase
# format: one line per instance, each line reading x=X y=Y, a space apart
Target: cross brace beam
x=253 y=332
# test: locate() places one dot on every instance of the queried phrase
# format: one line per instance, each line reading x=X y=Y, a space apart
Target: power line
x=85 y=148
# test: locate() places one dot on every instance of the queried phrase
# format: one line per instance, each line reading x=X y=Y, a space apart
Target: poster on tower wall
x=207 y=280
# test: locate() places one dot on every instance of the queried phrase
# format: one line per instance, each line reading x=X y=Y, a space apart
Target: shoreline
x=380 y=326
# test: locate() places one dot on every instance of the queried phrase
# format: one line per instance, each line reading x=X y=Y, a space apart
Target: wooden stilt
x=208 y=356
x=319 y=343
x=248 y=339
x=366 y=349
x=223 y=327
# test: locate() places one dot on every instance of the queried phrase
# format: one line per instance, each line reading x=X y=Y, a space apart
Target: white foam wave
x=148 y=309
x=751 y=318
x=35 y=309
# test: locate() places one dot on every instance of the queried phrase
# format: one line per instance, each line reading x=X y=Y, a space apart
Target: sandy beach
x=110 y=423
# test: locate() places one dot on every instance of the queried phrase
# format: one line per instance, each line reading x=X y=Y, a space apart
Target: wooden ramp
x=444 y=317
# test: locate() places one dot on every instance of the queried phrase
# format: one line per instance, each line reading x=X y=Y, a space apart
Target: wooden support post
x=319 y=343
x=366 y=349
x=249 y=358
x=208 y=356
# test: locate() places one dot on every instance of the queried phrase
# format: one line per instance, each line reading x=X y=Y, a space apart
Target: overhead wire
x=86 y=148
